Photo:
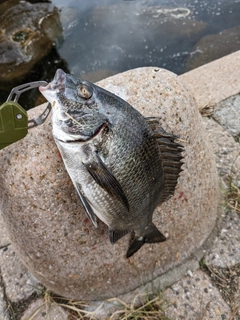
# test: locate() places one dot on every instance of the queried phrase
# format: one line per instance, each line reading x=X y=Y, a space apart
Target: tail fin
x=153 y=235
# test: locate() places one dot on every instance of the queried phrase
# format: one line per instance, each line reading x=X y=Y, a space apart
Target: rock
x=27 y=33
x=48 y=226
x=226 y=150
x=4 y=239
x=226 y=248
x=19 y=284
x=226 y=113
x=213 y=87
x=195 y=298
x=43 y=310
x=3 y=306
x=214 y=46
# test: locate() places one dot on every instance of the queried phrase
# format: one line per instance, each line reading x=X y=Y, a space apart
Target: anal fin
x=115 y=235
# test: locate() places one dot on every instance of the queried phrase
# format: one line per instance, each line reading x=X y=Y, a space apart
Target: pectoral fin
x=90 y=214
x=106 y=180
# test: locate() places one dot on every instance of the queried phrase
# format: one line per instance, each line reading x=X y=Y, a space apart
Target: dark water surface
x=95 y=39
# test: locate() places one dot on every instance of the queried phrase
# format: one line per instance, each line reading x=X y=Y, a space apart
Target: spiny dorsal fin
x=171 y=152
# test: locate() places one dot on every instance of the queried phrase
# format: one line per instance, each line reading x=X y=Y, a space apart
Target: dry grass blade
x=35 y=313
x=233 y=197
x=77 y=307
x=140 y=307
x=149 y=310
x=234 y=313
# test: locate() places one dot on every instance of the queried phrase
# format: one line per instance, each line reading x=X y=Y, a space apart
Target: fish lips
x=58 y=83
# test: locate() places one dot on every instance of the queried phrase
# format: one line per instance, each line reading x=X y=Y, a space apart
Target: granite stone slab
x=3 y=306
x=225 y=251
x=43 y=310
x=195 y=297
x=215 y=81
x=18 y=282
x=4 y=238
x=226 y=151
x=226 y=113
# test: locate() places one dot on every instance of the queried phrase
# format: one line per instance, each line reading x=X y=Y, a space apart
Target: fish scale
x=141 y=168
x=122 y=164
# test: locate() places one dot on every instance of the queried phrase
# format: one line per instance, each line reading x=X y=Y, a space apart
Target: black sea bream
x=122 y=164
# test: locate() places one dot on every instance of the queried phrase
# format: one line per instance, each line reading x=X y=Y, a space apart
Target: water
x=120 y=35
x=102 y=38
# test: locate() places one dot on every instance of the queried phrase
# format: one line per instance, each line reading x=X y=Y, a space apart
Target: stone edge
x=208 y=83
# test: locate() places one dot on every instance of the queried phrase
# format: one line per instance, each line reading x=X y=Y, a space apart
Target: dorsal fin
x=171 y=152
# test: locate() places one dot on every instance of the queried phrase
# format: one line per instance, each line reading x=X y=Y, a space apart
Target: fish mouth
x=58 y=83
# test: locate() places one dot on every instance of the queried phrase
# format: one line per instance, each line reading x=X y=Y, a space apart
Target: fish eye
x=84 y=91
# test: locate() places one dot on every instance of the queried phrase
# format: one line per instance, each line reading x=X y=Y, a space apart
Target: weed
x=233 y=197
x=202 y=263
x=152 y=308
x=142 y=307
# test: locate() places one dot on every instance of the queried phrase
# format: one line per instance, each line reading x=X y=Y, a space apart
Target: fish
x=122 y=165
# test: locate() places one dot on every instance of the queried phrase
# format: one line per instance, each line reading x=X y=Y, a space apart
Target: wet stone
x=28 y=31
x=214 y=46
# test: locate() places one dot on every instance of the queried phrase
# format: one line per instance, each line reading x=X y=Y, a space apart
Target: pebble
x=189 y=273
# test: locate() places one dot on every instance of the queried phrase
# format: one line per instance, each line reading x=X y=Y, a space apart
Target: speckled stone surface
x=4 y=238
x=195 y=298
x=45 y=310
x=226 y=150
x=226 y=247
x=3 y=306
x=226 y=113
x=17 y=280
x=48 y=226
